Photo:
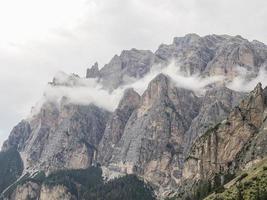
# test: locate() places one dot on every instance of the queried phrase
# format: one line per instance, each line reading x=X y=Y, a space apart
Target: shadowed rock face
x=18 y=136
x=93 y=72
x=115 y=126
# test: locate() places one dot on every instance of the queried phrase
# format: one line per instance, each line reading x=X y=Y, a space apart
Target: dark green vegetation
x=92 y=186
x=247 y=185
x=128 y=187
x=206 y=187
x=203 y=188
x=250 y=185
x=11 y=167
x=88 y=184
x=86 y=178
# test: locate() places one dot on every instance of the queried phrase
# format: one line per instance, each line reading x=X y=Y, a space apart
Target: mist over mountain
x=191 y=114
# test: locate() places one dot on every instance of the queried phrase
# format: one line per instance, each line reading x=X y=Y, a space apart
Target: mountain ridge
x=158 y=134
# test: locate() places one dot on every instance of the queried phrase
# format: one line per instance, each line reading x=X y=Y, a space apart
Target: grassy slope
x=250 y=185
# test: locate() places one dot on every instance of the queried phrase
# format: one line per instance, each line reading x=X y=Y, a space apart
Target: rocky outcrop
x=18 y=136
x=93 y=72
x=191 y=52
x=152 y=135
x=216 y=105
x=29 y=190
x=116 y=125
x=129 y=65
x=208 y=55
x=153 y=138
x=218 y=150
x=77 y=128
x=61 y=136
x=152 y=141
x=236 y=51
x=55 y=193
x=256 y=148
x=34 y=191
x=214 y=54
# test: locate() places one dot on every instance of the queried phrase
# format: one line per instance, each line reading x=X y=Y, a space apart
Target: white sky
x=40 y=37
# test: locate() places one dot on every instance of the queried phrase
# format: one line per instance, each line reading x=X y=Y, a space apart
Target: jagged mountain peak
x=159 y=83
x=63 y=79
x=207 y=55
x=93 y=72
x=152 y=133
x=225 y=145
x=130 y=99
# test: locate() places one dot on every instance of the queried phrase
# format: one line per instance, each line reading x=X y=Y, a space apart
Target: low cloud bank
x=81 y=91
x=194 y=82
x=85 y=91
x=246 y=80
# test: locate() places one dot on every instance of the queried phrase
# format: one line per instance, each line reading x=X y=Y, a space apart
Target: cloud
x=81 y=91
x=246 y=81
x=86 y=91
x=194 y=82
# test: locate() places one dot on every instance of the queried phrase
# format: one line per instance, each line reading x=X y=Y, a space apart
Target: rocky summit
x=192 y=135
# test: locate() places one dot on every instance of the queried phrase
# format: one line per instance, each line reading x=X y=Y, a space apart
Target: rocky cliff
x=218 y=148
x=208 y=55
x=168 y=134
x=60 y=137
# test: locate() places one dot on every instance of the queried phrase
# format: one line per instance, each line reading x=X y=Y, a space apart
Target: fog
x=245 y=83
x=86 y=91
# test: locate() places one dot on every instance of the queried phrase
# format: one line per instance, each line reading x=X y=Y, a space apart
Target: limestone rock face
x=115 y=126
x=191 y=52
x=219 y=149
x=131 y=64
x=152 y=141
x=214 y=54
x=61 y=137
x=18 y=136
x=164 y=135
x=93 y=72
x=208 y=55
x=34 y=191
x=27 y=191
x=78 y=129
x=236 y=51
x=160 y=129
x=216 y=105
x=55 y=193
x=256 y=148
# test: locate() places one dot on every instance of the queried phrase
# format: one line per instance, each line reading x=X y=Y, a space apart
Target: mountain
x=209 y=55
x=183 y=139
x=231 y=146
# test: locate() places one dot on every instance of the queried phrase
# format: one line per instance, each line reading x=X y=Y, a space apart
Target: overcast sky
x=40 y=37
